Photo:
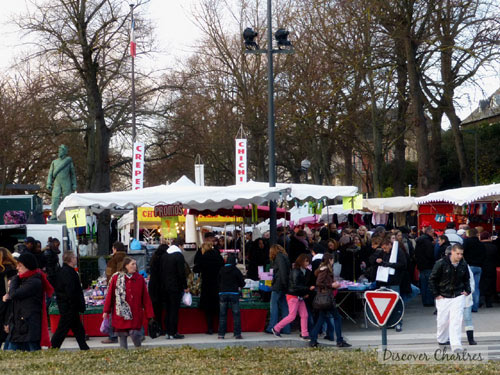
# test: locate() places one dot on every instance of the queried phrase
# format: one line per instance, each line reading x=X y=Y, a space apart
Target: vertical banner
x=199 y=174
x=138 y=166
x=241 y=161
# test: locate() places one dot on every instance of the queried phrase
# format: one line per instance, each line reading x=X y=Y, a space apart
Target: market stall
x=191 y=318
x=475 y=206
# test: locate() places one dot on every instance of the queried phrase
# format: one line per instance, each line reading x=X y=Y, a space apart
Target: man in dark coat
x=30 y=246
x=174 y=285
x=71 y=303
x=298 y=245
x=475 y=255
x=209 y=265
x=489 y=272
x=424 y=255
x=51 y=256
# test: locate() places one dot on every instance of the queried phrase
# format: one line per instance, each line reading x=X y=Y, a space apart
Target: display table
x=191 y=319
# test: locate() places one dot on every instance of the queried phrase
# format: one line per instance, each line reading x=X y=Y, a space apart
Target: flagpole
x=132 y=50
x=134 y=132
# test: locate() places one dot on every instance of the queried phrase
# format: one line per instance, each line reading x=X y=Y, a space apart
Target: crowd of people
x=30 y=277
x=307 y=268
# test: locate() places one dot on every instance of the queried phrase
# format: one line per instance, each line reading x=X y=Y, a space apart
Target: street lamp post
x=305 y=165
x=284 y=46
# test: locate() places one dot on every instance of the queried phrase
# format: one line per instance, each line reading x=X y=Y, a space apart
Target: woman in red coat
x=128 y=300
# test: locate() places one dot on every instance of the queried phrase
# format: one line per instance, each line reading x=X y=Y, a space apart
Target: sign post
x=379 y=308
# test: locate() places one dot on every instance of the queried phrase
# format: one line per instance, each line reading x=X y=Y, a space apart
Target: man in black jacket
x=475 y=255
x=70 y=302
x=449 y=282
x=424 y=255
x=174 y=284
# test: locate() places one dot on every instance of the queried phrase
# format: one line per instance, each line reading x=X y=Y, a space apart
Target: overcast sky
x=176 y=34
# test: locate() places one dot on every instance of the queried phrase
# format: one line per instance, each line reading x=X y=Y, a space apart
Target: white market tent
x=390 y=205
x=462 y=196
x=190 y=196
x=309 y=191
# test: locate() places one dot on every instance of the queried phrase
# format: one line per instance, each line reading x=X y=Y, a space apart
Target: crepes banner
x=138 y=166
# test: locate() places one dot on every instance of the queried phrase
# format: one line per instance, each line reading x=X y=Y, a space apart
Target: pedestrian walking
x=70 y=301
x=449 y=283
x=297 y=292
x=128 y=302
x=281 y=275
x=174 y=285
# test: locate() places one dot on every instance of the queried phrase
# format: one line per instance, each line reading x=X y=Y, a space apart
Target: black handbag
x=323 y=301
x=154 y=330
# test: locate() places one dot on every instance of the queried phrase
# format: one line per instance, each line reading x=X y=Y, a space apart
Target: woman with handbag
x=324 y=302
x=297 y=292
x=128 y=301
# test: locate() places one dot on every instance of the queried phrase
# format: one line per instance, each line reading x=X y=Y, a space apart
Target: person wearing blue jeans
x=475 y=256
x=230 y=281
x=278 y=310
x=424 y=255
x=30 y=346
x=229 y=301
x=325 y=284
x=476 y=271
x=281 y=273
x=336 y=321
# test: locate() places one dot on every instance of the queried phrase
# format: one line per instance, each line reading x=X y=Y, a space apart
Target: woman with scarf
x=128 y=300
x=27 y=324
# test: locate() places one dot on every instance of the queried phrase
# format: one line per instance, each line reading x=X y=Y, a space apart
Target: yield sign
x=381 y=304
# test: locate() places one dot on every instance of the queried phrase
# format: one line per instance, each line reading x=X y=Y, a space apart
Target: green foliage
x=235 y=360
x=388 y=192
x=488 y=157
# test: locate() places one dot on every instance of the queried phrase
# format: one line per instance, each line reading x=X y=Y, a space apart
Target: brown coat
x=114 y=264
x=324 y=279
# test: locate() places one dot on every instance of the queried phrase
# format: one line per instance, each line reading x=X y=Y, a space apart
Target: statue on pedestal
x=61 y=179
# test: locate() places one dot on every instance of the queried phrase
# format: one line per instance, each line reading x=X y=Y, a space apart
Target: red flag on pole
x=132 y=38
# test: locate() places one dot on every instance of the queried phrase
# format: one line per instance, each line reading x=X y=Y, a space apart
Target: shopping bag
x=154 y=329
x=105 y=327
x=187 y=299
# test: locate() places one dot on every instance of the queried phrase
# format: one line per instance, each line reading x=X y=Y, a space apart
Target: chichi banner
x=168 y=227
x=241 y=161
x=353 y=203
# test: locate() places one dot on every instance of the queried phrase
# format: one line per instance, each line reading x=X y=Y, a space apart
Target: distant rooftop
x=488 y=111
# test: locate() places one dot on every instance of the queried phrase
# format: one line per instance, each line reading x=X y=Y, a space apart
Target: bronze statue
x=61 y=179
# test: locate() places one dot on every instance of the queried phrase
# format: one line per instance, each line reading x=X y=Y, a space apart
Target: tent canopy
x=462 y=196
x=190 y=196
x=309 y=191
x=390 y=205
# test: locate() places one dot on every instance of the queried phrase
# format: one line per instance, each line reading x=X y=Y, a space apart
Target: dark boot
x=470 y=337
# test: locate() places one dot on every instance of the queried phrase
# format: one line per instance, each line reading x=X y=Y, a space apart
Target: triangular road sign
x=381 y=303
